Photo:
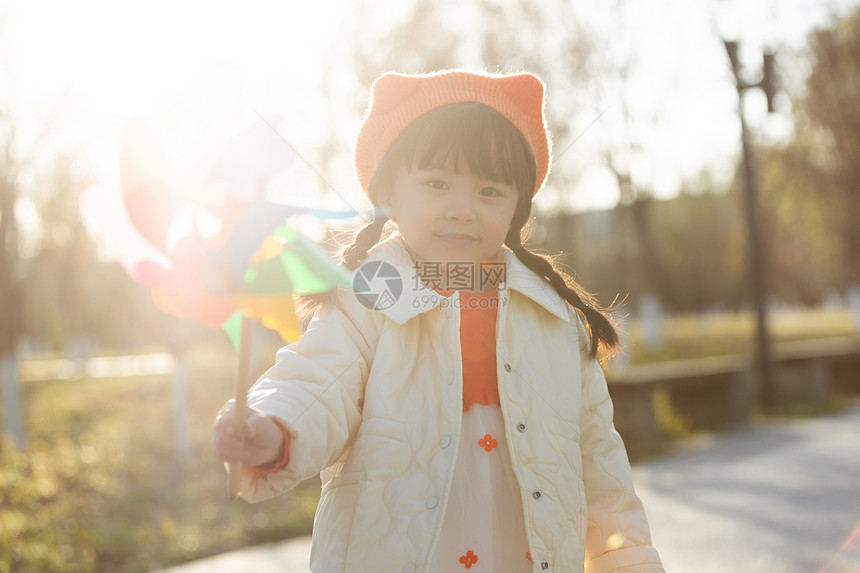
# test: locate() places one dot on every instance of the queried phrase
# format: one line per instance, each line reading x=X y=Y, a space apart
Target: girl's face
x=452 y=216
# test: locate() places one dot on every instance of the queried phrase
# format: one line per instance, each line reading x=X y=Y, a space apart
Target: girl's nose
x=461 y=207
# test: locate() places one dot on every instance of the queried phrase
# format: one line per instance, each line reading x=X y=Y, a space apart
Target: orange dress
x=483 y=527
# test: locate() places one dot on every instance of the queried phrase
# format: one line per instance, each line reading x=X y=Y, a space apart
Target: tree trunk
x=10 y=316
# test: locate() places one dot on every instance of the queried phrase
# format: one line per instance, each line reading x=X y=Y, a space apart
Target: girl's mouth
x=457 y=239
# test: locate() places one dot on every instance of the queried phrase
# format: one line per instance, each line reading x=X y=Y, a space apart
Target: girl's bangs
x=493 y=148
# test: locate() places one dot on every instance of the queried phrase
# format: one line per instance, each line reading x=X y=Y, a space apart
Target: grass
x=100 y=487
x=698 y=336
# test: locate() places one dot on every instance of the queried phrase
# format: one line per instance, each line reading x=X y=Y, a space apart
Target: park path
x=778 y=498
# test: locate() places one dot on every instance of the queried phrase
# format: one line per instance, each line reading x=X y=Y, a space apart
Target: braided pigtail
x=602 y=330
x=351 y=257
x=365 y=239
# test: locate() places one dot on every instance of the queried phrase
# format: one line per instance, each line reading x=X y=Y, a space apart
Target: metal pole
x=763 y=363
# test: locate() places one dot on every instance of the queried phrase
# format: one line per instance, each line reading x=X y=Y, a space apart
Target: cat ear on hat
x=526 y=91
x=390 y=90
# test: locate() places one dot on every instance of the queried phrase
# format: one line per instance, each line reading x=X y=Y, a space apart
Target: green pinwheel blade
x=302 y=268
x=233 y=327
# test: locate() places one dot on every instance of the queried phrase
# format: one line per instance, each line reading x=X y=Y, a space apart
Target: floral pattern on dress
x=469 y=559
x=488 y=442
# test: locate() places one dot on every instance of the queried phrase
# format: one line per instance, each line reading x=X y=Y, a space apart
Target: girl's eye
x=437 y=184
x=491 y=192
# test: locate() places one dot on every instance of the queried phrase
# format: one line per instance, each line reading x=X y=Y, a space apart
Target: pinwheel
x=223 y=259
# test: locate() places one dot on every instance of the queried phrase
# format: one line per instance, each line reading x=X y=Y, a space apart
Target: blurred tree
x=59 y=309
x=805 y=249
x=699 y=235
x=813 y=180
x=10 y=292
x=649 y=280
x=829 y=125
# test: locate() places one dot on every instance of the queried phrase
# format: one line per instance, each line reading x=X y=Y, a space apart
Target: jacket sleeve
x=618 y=538
x=316 y=390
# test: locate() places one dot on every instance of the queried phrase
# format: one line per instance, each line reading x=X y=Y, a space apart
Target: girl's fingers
x=227 y=434
x=253 y=442
x=227 y=444
x=256 y=425
x=229 y=451
x=231 y=456
x=250 y=429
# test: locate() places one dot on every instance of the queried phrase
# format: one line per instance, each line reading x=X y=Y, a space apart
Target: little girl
x=459 y=419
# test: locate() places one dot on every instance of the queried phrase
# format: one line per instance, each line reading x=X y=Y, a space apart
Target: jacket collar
x=416 y=297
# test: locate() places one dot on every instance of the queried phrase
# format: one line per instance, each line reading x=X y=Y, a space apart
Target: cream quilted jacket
x=373 y=402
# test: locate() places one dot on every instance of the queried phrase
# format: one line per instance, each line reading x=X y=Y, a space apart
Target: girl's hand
x=262 y=442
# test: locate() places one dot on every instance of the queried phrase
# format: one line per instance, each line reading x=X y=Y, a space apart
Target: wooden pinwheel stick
x=243 y=383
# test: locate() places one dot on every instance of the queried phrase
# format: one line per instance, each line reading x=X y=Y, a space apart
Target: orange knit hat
x=398 y=99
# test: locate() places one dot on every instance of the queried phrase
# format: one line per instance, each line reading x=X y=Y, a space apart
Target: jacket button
x=521 y=427
x=451 y=377
x=536 y=494
x=544 y=565
x=446 y=441
x=507 y=367
x=431 y=503
x=409 y=568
